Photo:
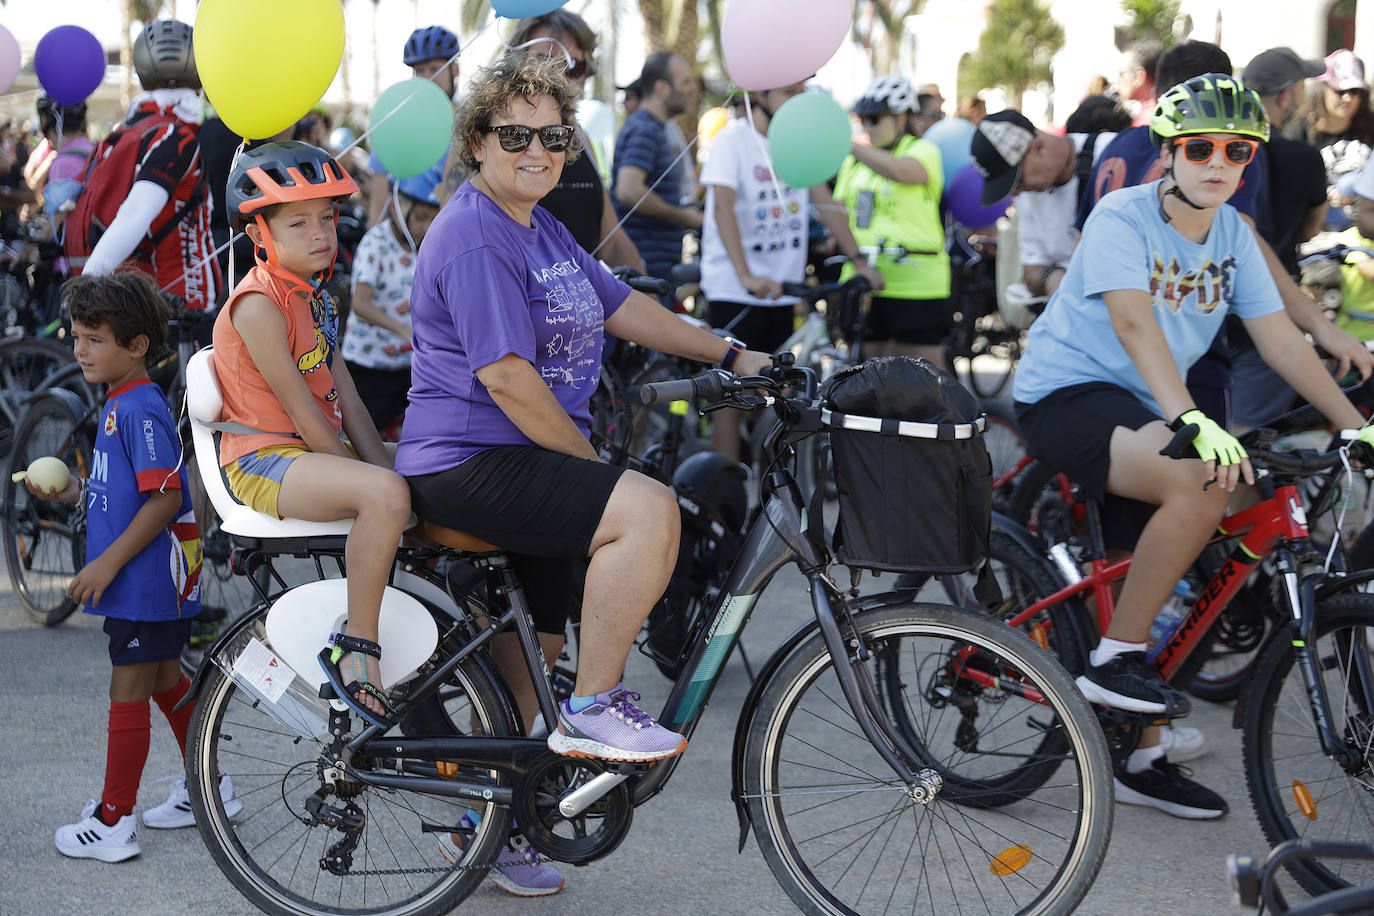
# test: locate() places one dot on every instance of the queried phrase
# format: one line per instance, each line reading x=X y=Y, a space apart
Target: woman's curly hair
x=514 y=76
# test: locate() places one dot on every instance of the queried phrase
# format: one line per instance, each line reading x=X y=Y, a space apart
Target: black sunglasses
x=1201 y=149
x=1345 y=92
x=516 y=138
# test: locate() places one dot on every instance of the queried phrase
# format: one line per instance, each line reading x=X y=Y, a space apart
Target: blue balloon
x=964 y=198
x=523 y=9
x=69 y=63
x=953 y=136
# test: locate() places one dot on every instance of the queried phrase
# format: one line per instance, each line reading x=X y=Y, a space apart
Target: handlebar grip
x=651 y=285
x=1182 y=443
x=703 y=387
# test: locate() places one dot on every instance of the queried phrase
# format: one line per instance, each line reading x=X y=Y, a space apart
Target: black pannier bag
x=911 y=465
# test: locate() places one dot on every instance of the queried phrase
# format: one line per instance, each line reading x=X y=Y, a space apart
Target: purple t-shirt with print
x=486 y=287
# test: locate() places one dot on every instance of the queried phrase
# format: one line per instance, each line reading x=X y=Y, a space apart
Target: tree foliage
x=1152 y=19
x=1015 y=49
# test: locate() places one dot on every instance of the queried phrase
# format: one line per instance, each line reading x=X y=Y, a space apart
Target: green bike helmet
x=1210 y=104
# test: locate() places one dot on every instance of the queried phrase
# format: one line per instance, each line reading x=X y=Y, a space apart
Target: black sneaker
x=1166 y=786
x=1127 y=681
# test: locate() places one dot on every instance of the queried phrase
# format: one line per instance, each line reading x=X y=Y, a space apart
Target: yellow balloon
x=264 y=63
x=710 y=123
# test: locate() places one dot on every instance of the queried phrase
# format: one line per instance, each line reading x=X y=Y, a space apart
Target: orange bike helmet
x=280 y=173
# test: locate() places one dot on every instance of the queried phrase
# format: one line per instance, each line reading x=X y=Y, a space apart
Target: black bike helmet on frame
x=432 y=43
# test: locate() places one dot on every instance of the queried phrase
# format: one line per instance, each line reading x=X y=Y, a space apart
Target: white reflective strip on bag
x=909 y=428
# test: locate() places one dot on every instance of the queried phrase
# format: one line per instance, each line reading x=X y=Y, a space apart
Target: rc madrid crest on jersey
x=110 y=428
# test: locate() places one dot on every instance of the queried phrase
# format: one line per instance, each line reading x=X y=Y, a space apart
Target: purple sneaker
x=613 y=728
x=517 y=871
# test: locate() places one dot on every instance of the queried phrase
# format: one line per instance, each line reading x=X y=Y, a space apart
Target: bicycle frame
x=776 y=537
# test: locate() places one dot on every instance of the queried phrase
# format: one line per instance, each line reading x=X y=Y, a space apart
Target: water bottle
x=1169 y=616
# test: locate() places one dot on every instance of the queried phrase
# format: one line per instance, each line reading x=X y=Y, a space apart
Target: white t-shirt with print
x=772 y=232
x=387 y=266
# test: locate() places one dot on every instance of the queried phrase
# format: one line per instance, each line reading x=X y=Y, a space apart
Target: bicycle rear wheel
x=43 y=546
x=842 y=835
x=1297 y=790
x=272 y=850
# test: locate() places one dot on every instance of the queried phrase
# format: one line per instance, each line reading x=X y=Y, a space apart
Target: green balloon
x=411 y=123
x=808 y=139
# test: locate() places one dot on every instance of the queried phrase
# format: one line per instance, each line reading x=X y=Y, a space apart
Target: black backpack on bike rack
x=912 y=468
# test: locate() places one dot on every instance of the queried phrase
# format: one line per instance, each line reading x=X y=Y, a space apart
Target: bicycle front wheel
x=44 y=547
x=399 y=845
x=843 y=835
x=1297 y=790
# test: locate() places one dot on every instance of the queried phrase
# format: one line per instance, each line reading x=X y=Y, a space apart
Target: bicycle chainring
x=588 y=836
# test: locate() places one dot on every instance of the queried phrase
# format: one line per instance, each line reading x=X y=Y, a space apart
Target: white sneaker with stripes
x=91 y=838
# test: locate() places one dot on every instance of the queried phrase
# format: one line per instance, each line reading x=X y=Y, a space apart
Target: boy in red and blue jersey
x=143 y=554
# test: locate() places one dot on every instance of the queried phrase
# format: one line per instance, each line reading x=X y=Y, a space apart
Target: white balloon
x=49 y=474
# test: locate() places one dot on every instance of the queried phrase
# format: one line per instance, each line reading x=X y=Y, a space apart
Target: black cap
x=999 y=144
x=1275 y=70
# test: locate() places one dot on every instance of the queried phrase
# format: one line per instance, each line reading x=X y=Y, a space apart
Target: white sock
x=1142 y=758
x=1109 y=649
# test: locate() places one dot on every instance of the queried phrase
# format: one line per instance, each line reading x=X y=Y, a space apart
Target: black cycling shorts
x=923 y=322
x=1071 y=431
x=542 y=507
x=761 y=327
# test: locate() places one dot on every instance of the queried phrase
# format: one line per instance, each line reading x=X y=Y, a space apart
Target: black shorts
x=384 y=392
x=762 y=327
x=542 y=507
x=134 y=642
x=923 y=322
x=1071 y=431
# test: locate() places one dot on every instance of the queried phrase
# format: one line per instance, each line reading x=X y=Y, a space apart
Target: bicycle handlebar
x=635 y=280
x=706 y=387
x=1298 y=462
x=813 y=293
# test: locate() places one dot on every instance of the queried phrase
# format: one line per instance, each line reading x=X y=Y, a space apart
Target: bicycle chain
x=536 y=859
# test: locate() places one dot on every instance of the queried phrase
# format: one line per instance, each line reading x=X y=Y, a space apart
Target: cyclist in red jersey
x=163 y=226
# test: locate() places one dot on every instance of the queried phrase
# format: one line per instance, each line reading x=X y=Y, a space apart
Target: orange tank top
x=311 y=334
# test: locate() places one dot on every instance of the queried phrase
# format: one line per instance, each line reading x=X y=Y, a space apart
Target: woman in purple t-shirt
x=508 y=314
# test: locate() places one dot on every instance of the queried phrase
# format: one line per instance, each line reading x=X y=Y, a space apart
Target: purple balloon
x=70 y=63
x=964 y=198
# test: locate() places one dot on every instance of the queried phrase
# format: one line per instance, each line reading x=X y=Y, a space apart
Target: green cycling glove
x=1212 y=442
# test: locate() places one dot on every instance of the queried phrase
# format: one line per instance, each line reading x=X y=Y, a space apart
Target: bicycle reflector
x=1306 y=804
x=1010 y=861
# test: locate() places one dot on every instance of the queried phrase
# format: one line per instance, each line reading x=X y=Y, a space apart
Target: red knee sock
x=130 y=728
x=181 y=719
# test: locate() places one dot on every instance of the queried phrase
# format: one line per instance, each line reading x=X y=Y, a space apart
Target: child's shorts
x=255 y=479
x=133 y=642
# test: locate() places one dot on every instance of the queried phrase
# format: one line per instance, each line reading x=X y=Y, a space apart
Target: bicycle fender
x=78 y=407
x=761 y=681
x=1023 y=538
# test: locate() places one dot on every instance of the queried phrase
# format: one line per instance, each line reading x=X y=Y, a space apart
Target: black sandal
x=339 y=645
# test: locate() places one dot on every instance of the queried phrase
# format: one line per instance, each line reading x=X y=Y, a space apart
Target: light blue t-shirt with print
x=1126 y=245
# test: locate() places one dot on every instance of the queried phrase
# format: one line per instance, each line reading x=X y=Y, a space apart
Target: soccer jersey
x=136 y=454
x=1192 y=286
x=887 y=212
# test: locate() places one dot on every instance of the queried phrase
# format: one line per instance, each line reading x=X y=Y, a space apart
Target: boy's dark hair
x=128 y=303
x=656 y=67
x=1187 y=60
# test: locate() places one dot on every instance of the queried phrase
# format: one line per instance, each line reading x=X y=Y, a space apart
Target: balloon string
x=235 y=237
x=666 y=172
x=400 y=217
x=772 y=172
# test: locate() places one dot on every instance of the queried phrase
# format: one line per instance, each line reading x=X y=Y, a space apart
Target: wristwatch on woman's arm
x=727 y=361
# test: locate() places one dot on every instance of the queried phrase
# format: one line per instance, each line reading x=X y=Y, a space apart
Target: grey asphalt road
x=680 y=856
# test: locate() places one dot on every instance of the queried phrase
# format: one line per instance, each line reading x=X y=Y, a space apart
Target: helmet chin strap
x=266 y=255
x=1174 y=191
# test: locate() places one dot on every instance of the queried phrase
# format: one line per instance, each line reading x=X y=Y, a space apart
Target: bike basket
x=911 y=466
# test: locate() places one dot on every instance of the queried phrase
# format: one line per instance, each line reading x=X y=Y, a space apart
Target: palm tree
x=144 y=11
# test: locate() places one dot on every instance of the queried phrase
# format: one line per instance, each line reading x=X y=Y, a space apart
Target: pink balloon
x=9 y=59
x=774 y=43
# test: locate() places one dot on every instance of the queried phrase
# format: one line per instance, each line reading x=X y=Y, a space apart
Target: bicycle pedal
x=629 y=767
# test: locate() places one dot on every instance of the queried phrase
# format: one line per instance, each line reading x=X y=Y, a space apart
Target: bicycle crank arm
x=583 y=797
